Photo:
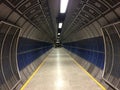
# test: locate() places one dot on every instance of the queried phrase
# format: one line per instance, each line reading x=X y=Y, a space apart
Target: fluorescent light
x=63 y=6
x=57 y=42
x=58 y=33
x=60 y=25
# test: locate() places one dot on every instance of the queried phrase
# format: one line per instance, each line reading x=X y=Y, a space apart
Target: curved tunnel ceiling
x=33 y=16
x=83 y=16
x=37 y=18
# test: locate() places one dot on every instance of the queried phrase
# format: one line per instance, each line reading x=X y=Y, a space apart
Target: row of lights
x=63 y=8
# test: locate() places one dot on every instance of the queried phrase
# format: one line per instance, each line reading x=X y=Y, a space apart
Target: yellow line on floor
x=26 y=83
x=100 y=85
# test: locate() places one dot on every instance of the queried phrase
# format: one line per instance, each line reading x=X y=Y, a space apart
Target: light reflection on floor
x=60 y=73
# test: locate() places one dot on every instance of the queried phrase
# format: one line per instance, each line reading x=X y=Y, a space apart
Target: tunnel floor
x=59 y=72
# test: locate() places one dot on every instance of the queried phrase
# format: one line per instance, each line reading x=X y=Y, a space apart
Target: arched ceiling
x=37 y=18
x=33 y=16
x=81 y=13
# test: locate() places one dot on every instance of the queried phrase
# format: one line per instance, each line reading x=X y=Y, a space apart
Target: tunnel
x=36 y=37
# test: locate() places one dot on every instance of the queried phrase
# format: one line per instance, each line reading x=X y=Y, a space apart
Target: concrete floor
x=59 y=72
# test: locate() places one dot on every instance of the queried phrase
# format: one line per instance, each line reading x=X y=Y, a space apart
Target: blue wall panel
x=91 y=50
x=29 y=50
x=28 y=44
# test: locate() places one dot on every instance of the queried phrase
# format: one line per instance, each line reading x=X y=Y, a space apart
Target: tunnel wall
x=26 y=72
x=30 y=55
x=111 y=34
x=91 y=50
x=93 y=29
x=16 y=66
x=29 y=50
x=90 y=54
x=33 y=40
x=92 y=69
x=9 y=73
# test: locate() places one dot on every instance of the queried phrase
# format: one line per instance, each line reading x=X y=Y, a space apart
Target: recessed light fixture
x=63 y=5
x=58 y=33
x=60 y=25
x=57 y=42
